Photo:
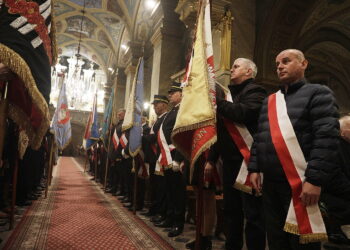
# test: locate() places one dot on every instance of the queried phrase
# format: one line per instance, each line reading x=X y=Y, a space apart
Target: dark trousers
x=237 y=206
x=176 y=197
x=276 y=200
x=160 y=202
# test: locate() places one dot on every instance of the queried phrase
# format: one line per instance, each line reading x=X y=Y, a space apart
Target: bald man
x=309 y=111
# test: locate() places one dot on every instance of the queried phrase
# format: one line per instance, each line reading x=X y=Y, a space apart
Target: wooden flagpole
x=49 y=166
x=199 y=206
x=110 y=133
x=14 y=191
x=107 y=159
x=134 y=166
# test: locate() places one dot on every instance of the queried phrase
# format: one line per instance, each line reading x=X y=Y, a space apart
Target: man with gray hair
x=238 y=107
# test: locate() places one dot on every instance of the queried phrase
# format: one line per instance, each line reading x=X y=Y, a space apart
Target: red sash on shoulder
x=304 y=221
x=115 y=139
x=243 y=140
x=123 y=140
x=165 y=160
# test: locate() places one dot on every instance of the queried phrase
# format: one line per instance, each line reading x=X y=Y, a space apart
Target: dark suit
x=157 y=182
x=176 y=187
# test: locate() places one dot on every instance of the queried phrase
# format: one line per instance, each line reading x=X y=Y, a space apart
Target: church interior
x=99 y=44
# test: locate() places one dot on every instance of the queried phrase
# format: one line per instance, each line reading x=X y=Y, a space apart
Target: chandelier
x=82 y=77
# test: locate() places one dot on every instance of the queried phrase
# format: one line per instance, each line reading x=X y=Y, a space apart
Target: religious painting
x=89 y=3
x=62 y=39
x=113 y=6
x=102 y=37
x=61 y=8
x=75 y=27
x=58 y=26
x=111 y=23
x=101 y=49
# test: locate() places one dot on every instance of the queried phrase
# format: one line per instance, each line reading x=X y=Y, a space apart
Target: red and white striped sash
x=115 y=139
x=123 y=140
x=164 y=160
x=143 y=167
x=304 y=221
x=243 y=140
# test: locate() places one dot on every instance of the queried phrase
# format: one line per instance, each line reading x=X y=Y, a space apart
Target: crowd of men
x=300 y=153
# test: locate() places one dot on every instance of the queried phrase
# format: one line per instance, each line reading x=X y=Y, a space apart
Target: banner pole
x=107 y=160
x=135 y=184
x=49 y=167
x=14 y=191
x=199 y=212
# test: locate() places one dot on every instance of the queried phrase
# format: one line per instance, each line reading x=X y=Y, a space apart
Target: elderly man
x=295 y=149
x=241 y=110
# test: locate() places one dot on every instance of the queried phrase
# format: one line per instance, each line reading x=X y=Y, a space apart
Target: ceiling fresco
x=107 y=24
x=62 y=8
x=88 y=3
x=77 y=27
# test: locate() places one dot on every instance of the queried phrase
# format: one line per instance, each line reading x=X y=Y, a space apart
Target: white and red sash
x=243 y=140
x=304 y=221
x=123 y=140
x=164 y=160
x=143 y=167
x=115 y=139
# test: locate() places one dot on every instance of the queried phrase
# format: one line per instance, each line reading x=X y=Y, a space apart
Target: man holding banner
x=151 y=150
x=295 y=148
x=170 y=161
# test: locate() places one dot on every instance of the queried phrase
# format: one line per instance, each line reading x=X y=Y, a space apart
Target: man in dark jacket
x=313 y=115
x=247 y=98
x=176 y=188
x=151 y=150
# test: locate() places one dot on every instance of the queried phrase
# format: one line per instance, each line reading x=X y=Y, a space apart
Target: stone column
x=156 y=40
x=135 y=51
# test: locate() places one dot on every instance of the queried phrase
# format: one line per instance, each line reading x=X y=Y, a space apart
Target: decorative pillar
x=222 y=35
x=156 y=40
x=135 y=51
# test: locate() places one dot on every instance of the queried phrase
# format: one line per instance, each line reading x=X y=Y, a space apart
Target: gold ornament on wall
x=225 y=41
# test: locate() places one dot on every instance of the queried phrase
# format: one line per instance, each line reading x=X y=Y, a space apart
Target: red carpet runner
x=81 y=217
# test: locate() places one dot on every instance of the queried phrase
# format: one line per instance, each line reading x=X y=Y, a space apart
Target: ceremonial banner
x=195 y=130
x=107 y=116
x=133 y=113
x=305 y=221
x=61 y=120
x=27 y=48
x=91 y=135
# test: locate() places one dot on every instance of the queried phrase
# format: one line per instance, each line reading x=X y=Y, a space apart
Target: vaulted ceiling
x=107 y=25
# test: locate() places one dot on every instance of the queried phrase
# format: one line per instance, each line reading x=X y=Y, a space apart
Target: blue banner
x=136 y=130
x=107 y=116
x=91 y=132
x=61 y=120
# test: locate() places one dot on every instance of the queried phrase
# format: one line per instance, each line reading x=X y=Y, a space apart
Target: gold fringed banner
x=17 y=65
x=195 y=131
